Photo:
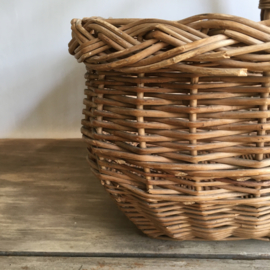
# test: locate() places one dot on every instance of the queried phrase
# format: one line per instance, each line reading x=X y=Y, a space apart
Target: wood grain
x=52 y=263
x=50 y=203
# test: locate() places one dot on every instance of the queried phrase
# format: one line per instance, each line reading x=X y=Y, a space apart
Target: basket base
x=170 y=220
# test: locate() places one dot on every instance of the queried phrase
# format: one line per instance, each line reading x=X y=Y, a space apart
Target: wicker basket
x=176 y=121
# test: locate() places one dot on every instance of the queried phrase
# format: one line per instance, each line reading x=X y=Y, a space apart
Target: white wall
x=41 y=85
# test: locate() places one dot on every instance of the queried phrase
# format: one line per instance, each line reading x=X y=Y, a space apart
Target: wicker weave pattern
x=176 y=122
x=264 y=4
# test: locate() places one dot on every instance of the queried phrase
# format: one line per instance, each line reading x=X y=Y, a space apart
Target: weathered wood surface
x=39 y=263
x=51 y=203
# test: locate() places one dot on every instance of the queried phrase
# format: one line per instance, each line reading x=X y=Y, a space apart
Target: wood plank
x=51 y=203
x=52 y=263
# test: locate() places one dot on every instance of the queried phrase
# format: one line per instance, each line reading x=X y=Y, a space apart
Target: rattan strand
x=176 y=122
x=264 y=4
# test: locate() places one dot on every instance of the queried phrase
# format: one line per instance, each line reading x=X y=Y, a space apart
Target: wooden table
x=56 y=215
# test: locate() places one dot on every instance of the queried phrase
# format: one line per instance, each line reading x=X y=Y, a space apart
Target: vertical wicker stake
x=88 y=108
x=193 y=117
x=100 y=118
x=265 y=15
x=264 y=5
x=141 y=131
x=100 y=106
x=88 y=113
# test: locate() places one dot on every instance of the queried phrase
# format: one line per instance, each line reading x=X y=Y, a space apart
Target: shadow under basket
x=177 y=122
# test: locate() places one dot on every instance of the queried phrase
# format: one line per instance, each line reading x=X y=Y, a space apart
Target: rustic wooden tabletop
x=56 y=215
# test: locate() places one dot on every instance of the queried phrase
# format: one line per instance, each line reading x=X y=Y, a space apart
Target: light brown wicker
x=176 y=121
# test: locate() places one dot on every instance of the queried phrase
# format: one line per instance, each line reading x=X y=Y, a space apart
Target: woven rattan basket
x=176 y=121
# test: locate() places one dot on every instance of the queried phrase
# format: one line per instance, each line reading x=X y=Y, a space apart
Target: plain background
x=41 y=85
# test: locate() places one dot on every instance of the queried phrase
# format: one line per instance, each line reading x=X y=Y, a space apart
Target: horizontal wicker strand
x=264 y=4
x=177 y=121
